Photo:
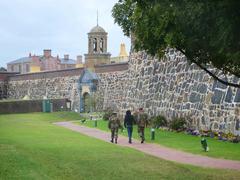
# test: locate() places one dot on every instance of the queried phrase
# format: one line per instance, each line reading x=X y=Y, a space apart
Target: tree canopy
x=206 y=32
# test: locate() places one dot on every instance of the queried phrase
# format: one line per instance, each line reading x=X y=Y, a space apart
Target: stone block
x=229 y=95
x=202 y=88
x=237 y=96
x=194 y=97
x=217 y=97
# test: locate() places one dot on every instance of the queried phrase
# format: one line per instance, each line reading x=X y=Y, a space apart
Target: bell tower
x=97 y=42
x=97 y=48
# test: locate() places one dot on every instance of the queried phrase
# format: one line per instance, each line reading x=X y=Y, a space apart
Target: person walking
x=142 y=121
x=128 y=123
x=114 y=124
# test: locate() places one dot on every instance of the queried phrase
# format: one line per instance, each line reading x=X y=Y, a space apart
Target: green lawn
x=181 y=141
x=31 y=147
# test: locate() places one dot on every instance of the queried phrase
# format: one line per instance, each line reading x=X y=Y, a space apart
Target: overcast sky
x=61 y=25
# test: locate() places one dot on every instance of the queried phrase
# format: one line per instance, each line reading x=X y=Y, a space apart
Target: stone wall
x=2 y=90
x=171 y=87
x=3 y=83
x=53 y=85
x=111 y=90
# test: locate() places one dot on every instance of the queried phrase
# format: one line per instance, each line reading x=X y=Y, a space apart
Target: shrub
x=178 y=124
x=107 y=113
x=159 y=121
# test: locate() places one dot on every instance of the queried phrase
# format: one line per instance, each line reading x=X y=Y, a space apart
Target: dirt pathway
x=155 y=149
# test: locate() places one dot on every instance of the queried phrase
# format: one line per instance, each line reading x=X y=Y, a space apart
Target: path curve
x=155 y=149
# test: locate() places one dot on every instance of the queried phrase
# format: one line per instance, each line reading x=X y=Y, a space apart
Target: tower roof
x=97 y=29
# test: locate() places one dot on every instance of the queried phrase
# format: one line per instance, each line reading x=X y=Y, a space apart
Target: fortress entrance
x=87 y=87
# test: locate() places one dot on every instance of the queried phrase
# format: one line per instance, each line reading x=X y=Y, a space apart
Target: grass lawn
x=183 y=142
x=31 y=147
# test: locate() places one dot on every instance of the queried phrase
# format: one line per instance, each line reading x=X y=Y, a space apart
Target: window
x=94 y=45
x=101 y=45
x=20 y=68
x=27 y=68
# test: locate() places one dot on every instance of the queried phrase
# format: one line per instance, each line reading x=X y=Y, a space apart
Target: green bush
x=107 y=113
x=159 y=121
x=178 y=124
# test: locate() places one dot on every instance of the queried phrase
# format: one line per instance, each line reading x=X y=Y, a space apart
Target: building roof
x=28 y=60
x=20 y=60
x=67 y=61
x=97 y=29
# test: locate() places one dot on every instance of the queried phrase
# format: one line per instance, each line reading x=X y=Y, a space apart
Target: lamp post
x=95 y=123
x=81 y=99
x=152 y=133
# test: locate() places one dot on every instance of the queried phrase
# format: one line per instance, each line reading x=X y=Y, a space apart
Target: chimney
x=66 y=57
x=47 y=53
x=79 y=59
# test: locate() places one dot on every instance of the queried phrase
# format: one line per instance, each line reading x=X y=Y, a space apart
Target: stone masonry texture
x=53 y=85
x=171 y=87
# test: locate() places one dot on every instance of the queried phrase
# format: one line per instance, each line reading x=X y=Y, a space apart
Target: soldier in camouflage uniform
x=114 y=124
x=142 y=121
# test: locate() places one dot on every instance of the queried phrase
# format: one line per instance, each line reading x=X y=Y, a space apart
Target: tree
x=206 y=32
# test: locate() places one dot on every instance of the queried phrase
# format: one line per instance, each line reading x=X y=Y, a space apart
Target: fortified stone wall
x=3 y=83
x=53 y=85
x=2 y=89
x=171 y=87
x=111 y=90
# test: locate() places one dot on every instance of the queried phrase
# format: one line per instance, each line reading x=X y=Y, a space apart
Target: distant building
x=2 y=69
x=97 y=48
x=123 y=56
x=79 y=63
x=97 y=56
x=21 y=65
x=45 y=62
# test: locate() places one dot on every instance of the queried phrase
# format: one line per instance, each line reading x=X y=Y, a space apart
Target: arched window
x=95 y=45
x=101 y=45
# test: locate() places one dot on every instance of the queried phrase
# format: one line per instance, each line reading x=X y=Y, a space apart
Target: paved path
x=155 y=149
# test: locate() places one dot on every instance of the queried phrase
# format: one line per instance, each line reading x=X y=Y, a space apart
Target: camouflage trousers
x=114 y=133
x=141 y=132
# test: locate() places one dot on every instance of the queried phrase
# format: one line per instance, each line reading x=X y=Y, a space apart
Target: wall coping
x=106 y=68
x=112 y=64
x=6 y=72
x=47 y=74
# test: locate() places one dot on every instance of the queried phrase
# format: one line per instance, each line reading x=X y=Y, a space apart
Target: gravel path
x=155 y=149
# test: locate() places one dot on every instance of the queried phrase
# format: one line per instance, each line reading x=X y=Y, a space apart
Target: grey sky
x=61 y=25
